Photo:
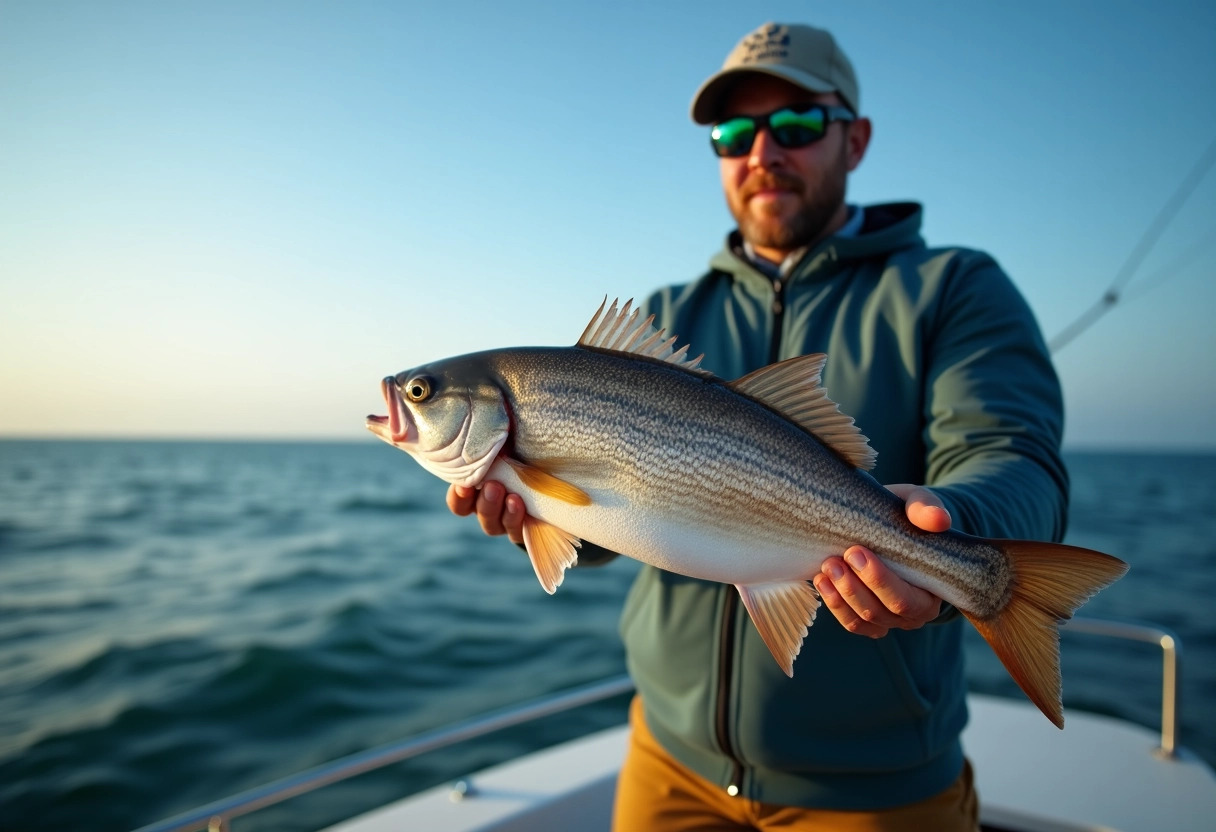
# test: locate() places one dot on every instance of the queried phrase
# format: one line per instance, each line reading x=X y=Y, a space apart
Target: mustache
x=771 y=181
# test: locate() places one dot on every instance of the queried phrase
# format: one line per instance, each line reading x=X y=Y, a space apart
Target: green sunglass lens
x=734 y=137
x=790 y=128
x=794 y=129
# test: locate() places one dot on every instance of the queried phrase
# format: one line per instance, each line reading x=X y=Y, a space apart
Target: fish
x=624 y=441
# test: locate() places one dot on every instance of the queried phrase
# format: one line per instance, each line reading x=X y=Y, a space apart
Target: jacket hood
x=888 y=227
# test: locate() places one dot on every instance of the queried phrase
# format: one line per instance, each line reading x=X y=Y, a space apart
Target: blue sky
x=232 y=219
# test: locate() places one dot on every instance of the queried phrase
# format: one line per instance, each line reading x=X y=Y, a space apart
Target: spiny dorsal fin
x=620 y=331
x=792 y=388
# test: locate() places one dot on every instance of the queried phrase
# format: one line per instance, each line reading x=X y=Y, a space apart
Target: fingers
x=513 y=519
x=925 y=509
x=845 y=614
x=869 y=599
x=497 y=511
x=461 y=500
x=490 y=506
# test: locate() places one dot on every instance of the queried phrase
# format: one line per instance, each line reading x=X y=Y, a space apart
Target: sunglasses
x=791 y=128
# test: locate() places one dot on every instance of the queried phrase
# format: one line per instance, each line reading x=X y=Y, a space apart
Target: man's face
x=782 y=198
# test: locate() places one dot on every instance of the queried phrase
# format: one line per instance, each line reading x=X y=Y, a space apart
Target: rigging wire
x=1167 y=213
x=1176 y=265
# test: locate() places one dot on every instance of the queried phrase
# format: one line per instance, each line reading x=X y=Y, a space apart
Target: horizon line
x=324 y=439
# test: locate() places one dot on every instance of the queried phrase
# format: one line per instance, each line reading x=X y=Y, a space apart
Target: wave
x=303 y=578
x=382 y=504
x=196 y=525
x=17 y=608
x=55 y=541
x=120 y=514
x=117 y=661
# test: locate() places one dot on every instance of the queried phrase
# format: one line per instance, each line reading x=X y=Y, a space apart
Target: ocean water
x=182 y=621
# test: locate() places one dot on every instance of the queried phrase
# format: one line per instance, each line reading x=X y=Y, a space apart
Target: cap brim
x=707 y=101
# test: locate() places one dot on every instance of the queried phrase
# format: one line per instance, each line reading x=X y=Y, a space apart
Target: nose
x=765 y=152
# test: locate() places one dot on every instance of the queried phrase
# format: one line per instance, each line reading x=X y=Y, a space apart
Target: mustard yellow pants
x=657 y=794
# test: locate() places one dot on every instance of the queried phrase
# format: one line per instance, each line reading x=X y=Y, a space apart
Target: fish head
x=449 y=416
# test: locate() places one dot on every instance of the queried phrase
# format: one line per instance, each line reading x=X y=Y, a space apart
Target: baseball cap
x=803 y=55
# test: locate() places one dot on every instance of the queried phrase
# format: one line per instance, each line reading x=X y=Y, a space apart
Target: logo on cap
x=771 y=42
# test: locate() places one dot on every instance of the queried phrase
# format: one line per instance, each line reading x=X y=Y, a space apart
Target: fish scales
x=655 y=433
x=622 y=441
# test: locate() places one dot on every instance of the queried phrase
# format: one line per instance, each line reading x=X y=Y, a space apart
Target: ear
x=858 y=138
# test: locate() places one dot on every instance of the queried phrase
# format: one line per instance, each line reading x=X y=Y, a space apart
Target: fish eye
x=418 y=389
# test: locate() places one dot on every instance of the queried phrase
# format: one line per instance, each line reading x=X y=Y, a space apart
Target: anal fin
x=551 y=550
x=783 y=613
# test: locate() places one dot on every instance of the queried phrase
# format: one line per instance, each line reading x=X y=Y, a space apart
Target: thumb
x=924 y=508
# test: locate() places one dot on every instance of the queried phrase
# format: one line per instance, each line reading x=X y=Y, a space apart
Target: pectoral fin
x=551 y=551
x=545 y=483
x=783 y=613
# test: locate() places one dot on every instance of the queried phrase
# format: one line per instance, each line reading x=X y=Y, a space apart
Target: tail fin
x=1050 y=580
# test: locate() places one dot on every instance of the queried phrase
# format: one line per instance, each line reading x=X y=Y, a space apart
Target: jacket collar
x=888 y=227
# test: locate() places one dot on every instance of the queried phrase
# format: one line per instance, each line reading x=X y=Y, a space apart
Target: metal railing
x=216 y=816
x=1171 y=650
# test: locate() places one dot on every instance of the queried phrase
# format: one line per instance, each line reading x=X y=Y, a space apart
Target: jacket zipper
x=726 y=652
x=778 y=313
x=726 y=634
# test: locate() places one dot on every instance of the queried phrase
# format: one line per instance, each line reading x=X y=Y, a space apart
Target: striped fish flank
x=624 y=441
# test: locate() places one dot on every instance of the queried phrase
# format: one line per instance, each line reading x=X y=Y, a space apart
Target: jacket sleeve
x=993 y=409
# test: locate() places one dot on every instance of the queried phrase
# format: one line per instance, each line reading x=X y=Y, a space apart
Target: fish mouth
x=396 y=427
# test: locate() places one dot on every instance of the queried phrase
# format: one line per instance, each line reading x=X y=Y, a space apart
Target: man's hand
x=497 y=511
x=869 y=599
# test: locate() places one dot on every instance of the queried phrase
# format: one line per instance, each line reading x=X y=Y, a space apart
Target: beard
x=767 y=225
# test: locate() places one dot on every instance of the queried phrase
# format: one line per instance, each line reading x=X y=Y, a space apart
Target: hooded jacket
x=938 y=358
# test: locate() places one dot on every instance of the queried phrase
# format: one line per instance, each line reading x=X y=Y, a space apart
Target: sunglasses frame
x=831 y=112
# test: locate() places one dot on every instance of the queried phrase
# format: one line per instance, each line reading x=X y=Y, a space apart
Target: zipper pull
x=736 y=777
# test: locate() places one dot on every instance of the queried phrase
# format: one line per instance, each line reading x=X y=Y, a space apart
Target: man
x=938 y=358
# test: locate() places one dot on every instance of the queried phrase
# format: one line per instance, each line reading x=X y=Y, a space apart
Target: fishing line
x=1175 y=266
x=1166 y=215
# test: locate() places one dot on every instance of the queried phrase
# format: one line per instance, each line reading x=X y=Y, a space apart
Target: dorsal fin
x=792 y=388
x=619 y=330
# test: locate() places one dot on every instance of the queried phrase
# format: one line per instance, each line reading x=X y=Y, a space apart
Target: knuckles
x=902 y=608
